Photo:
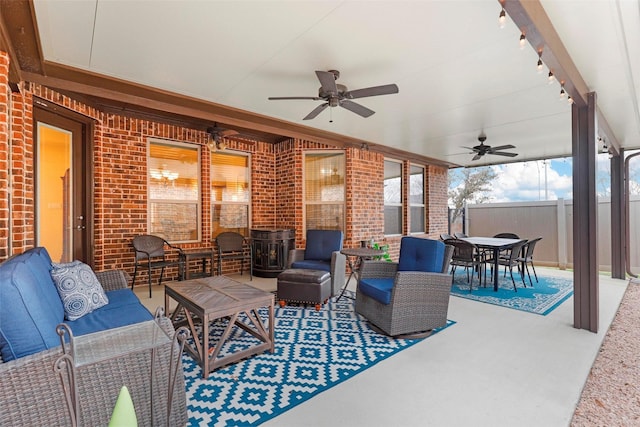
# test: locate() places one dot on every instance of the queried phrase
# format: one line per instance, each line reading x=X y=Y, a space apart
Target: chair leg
x=149 y=271
x=534 y=271
x=526 y=267
x=512 y=279
x=135 y=272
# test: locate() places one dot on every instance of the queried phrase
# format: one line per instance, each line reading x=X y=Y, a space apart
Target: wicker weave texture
x=419 y=300
x=31 y=391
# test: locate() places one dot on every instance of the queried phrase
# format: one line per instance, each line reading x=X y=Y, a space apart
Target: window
x=174 y=191
x=324 y=190
x=392 y=197
x=230 y=192
x=416 y=199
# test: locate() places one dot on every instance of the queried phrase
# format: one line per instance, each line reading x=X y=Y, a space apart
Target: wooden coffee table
x=210 y=298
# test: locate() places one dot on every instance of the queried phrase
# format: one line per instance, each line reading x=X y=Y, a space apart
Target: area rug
x=545 y=295
x=314 y=351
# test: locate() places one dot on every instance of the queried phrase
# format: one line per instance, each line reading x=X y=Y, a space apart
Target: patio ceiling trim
x=532 y=19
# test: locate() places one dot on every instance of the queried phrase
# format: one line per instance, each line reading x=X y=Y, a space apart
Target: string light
x=563 y=93
x=551 y=77
x=569 y=99
x=540 y=65
x=502 y=18
x=523 y=40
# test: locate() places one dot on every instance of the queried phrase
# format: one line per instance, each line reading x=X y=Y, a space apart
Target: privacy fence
x=551 y=220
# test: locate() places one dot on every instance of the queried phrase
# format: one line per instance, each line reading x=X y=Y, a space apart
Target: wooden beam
x=531 y=18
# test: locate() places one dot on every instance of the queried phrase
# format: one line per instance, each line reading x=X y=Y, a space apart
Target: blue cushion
x=322 y=243
x=378 y=289
x=312 y=265
x=418 y=254
x=124 y=308
x=27 y=324
x=79 y=289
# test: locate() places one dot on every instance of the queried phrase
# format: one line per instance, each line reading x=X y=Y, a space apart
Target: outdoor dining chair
x=150 y=253
x=527 y=258
x=466 y=255
x=233 y=246
x=509 y=261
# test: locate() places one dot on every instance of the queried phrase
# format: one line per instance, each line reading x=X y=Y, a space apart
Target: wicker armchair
x=32 y=395
x=419 y=300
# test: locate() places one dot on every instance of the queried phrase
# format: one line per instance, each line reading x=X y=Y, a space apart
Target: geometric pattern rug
x=541 y=298
x=314 y=351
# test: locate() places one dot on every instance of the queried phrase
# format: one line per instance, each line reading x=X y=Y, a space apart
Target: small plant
x=385 y=256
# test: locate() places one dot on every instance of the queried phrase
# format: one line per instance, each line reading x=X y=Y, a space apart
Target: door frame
x=46 y=112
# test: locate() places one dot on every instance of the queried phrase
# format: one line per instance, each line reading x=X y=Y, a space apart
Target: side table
x=354 y=258
x=203 y=256
x=85 y=350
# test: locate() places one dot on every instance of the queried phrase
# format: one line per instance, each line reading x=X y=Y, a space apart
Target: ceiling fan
x=216 y=134
x=335 y=95
x=482 y=149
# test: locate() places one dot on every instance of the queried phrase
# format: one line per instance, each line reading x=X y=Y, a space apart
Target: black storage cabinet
x=271 y=251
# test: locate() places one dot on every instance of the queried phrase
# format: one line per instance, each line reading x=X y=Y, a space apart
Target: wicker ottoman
x=305 y=286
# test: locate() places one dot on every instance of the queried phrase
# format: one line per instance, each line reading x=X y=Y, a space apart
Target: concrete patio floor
x=495 y=367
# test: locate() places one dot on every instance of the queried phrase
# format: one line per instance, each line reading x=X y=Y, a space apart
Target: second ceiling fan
x=482 y=149
x=337 y=95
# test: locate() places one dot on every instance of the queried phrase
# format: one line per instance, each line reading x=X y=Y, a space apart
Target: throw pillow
x=79 y=289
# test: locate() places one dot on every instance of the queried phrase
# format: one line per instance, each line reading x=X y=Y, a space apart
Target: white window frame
x=400 y=205
x=304 y=189
x=422 y=205
x=198 y=202
x=230 y=202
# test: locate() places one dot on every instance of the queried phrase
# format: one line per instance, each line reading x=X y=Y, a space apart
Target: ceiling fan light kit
x=338 y=95
x=216 y=134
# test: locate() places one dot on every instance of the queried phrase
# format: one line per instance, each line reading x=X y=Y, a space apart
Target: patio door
x=62 y=210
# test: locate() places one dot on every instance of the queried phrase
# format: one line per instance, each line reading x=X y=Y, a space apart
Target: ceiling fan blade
x=356 y=108
x=504 y=153
x=319 y=109
x=327 y=81
x=502 y=147
x=279 y=98
x=372 y=91
x=470 y=148
x=228 y=132
x=477 y=156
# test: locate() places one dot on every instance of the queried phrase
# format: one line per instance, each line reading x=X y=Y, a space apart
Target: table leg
x=351 y=273
x=496 y=253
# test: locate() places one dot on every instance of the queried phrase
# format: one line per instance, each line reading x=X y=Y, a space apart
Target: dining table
x=495 y=244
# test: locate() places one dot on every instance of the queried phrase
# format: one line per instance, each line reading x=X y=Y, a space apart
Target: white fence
x=551 y=220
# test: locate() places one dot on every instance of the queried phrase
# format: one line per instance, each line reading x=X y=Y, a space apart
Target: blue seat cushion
x=322 y=243
x=378 y=289
x=312 y=265
x=124 y=308
x=27 y=322
x=418 y=254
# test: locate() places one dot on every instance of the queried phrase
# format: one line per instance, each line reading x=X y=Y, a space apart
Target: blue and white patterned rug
x=313 y=352
x=541 y=298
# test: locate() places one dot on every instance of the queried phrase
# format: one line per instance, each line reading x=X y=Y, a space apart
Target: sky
x=543 y=180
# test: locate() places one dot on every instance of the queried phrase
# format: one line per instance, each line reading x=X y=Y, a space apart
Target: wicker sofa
x=31 y=389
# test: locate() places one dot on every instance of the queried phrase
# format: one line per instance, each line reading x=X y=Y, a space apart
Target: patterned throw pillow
x=79 y=289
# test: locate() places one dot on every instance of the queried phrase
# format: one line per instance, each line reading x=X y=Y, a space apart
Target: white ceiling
x=458 y=73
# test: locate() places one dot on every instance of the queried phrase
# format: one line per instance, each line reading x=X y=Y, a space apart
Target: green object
x=385 y=256
x=124 y=414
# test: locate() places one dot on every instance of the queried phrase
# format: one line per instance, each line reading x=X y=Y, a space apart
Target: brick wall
x=120 y=181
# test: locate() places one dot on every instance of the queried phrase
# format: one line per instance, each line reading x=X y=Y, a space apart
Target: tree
x=468 y=185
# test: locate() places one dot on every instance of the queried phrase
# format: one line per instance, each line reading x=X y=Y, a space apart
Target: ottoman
x=305 y=286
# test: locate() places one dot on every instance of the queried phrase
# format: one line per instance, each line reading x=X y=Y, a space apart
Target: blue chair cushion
x=312 y=265
x=378 y=289
x=322 y=243
x=124 y=308
x=27 y=323
x=418 y=254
